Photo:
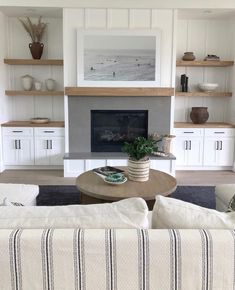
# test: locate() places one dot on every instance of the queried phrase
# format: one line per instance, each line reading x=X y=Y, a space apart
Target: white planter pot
x=138 y=170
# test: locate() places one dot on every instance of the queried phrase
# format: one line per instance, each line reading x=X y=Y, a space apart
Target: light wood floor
x=55 y=177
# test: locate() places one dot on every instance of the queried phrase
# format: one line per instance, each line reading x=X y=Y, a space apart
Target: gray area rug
x=64 y=195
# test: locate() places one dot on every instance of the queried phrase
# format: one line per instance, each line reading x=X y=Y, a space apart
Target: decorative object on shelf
x=208 y=87
x=39 y=120
x=212 y=57
x=50 y=84
x=138 y=162
x=199 y=115
x=36 y=32
x=188 y=55
x=184 y=83
x=27 y=82
x=38 y=85
x=166 y=143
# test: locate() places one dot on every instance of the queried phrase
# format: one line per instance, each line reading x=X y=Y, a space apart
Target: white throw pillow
x=22 y=193
x=6 y=202
x=128 y=213
x=170 y=213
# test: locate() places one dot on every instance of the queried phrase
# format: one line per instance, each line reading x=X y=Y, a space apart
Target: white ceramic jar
x=50 y=84
x=38 y=85
x=27 y=82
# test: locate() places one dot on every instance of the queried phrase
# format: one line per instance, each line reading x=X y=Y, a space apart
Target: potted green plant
x=138 y=162
x=36 y=32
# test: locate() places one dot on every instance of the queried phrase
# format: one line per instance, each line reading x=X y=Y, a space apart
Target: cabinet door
x=180 y=146
x=56 y=151
x=188 y=151
x=226 y=152
x=26 y=151
x=194 y=151
x=219 y=151
x=42 y=151
x=10 y=153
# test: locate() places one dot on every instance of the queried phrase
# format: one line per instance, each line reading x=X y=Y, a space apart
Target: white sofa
x=125 y=259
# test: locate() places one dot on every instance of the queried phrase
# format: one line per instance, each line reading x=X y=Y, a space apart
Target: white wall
x=204 y=37
x=26 y=107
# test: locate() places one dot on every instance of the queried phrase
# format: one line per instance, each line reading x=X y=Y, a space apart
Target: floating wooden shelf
x=205 y=63
x=119 y=92
x=29 y=124
x=33 y=61
x=203 y=94
x=34 y=93
x=205 y=125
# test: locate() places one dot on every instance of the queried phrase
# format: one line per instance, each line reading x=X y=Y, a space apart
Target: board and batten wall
x=26 y=107
x=141 y=19
x=204 y=37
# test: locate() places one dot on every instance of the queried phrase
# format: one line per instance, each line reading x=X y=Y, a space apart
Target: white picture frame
x=122 y=48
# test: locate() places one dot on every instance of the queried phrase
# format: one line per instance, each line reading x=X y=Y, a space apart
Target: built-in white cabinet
x=18 y=146
x=49 y=146
x=204 y=148
x=32 y=146
x=218 y=147
x=188 y=147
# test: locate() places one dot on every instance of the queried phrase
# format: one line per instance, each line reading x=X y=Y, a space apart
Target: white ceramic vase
x=27 y=82
x=38 y=85
x=138 y=170
x=50 y=84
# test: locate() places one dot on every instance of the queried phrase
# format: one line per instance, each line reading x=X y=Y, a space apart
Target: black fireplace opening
x=111 y=128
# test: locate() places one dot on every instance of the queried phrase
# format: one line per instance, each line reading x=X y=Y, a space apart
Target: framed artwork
x=118 y=58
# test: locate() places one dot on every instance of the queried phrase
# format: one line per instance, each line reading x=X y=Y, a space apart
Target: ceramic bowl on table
x=208 y=87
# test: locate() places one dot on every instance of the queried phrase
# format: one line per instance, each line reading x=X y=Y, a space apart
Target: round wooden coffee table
x=94 y=189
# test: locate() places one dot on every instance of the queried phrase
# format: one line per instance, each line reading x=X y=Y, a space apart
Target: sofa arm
x=223 y=195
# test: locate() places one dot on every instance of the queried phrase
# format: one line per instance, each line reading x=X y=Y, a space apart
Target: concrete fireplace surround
x=80 y=158
x=80 y=123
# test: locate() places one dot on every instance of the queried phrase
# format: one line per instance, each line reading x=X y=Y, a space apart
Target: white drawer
x=220 y=132
x=188 y=131
x=17 y=131
x=48 y=131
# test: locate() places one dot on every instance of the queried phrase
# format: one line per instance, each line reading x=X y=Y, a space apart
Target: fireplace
x=111 y=128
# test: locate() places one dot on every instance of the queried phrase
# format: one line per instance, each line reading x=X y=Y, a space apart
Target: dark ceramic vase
x=188 y=56
x=199 y=115
x=36 y=49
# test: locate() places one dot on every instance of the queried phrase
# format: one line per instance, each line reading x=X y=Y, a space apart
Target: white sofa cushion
x=21 y=193
x=170 y=213
x=128 y=213
x=223 y=195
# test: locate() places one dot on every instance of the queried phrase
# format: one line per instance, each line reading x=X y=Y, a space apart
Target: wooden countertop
x=205 y=125
x=29 y=124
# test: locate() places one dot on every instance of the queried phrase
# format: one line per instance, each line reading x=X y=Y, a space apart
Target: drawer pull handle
x=219 y=132
x=188 y=132
x=49 y=131
x=17 y=131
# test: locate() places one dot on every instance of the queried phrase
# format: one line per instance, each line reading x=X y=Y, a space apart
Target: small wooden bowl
x=40 y=120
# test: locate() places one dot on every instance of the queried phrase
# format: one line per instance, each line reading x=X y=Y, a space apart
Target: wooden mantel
x=119 y=91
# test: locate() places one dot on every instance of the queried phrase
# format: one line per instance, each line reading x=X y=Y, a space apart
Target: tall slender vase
x=36 y=49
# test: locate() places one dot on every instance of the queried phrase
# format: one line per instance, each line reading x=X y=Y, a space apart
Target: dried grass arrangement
x=35 y=31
